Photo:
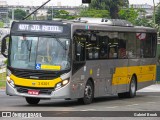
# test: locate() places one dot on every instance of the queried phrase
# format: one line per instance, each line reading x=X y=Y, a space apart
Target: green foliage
x=129 y=14
x=2 y=80
x=59 y=14
x=94 y=13
x=99 y=5
x=143 y=22
x=112 y=6
x=1 y=24
x=142 y=10
x=41 y=17
x=157 y=16
x=6 y=61
x=19 y=14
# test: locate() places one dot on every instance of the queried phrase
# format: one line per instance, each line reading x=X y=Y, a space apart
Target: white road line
x=112 y=107
x=152 y=96
x=89 y=110
x=151 y=102
x=61 y=113
x=132 y=105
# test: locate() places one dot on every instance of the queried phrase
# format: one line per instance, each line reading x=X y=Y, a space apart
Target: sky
x=67 y=2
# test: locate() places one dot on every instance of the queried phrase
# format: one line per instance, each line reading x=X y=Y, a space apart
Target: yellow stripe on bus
x=123 y=75
x=35 y=82
x=50 y=67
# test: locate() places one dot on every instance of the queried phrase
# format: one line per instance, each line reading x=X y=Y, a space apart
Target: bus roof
x=97 y=24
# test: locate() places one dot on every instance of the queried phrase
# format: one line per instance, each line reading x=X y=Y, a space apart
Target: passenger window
x=113 y=48
x=147 y=46
x=79 y=48
x=92 y=47
x=103 y=47
x=122 y=49
x=131 y=45
x=80 y=51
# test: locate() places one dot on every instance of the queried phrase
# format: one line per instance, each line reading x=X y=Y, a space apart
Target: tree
x=112 y=6
x=94 y=13
x=143 y=22
x=1 y=24
x=157 y=16
x=59 y=14
x=129 y=14
x=19 y=14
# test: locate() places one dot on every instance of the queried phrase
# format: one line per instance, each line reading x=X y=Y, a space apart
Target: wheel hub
x=88 y=92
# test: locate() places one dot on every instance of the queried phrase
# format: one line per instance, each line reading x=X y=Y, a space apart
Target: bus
x=79 y=59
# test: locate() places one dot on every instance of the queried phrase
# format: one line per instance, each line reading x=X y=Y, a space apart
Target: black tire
x=88 y=94
x=32 y=101
x=122 y=95
x=132 y=90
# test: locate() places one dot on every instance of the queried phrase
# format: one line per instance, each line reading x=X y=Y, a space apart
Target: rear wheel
x=132 y=90
x=88 y=94
x=32 y=101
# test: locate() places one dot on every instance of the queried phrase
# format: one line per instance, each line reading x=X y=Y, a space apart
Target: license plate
x=33 y=92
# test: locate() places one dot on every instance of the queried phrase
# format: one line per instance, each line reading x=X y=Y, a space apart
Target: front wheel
x=32 y=101
x=88 y=94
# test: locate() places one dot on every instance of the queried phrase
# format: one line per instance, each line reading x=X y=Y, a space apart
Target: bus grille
x=39 y=75
x=41 y=91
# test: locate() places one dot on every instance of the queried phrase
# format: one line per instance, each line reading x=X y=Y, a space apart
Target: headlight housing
x=61 y=84
x=9 y=80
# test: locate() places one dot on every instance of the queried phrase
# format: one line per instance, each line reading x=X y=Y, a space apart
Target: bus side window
x=80 y=51
x=131 y=45
x=112 y=53
x=122 y=49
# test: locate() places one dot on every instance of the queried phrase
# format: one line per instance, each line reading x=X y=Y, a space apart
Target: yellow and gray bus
x=79 y=59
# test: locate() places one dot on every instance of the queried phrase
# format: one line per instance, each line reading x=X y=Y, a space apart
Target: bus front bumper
x=60 y=93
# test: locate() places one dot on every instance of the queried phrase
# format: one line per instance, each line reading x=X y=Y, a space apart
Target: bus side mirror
x=4 y=45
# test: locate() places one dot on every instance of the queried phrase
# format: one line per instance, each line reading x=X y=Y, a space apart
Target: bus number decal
x=43 y=83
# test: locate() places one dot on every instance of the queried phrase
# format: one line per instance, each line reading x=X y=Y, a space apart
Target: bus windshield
x=40 y=53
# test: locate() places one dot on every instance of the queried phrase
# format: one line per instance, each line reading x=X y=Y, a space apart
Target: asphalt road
x=146 y=100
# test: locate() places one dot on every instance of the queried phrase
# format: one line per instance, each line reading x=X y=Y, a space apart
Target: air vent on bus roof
x=113 y=22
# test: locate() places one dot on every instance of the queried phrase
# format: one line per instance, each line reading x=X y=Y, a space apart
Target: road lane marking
x=152 y=96
x=88 y=110
x=61 y=113
x=151 y=102
x=112 y=107
x=132 y=105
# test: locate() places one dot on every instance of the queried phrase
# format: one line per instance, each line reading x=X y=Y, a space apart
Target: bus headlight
x=11 y=82
x=64 y=82
x=61 y=84
x=8 y=78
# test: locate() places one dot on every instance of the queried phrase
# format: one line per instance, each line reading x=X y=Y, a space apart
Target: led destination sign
x=40 y=28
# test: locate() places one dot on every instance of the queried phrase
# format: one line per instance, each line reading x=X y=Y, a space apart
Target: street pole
x=12 y=13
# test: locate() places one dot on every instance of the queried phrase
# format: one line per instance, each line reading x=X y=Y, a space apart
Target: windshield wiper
x=30 y=51
x=64 y=47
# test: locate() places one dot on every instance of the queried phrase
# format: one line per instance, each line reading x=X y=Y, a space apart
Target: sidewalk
x=152 y=88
